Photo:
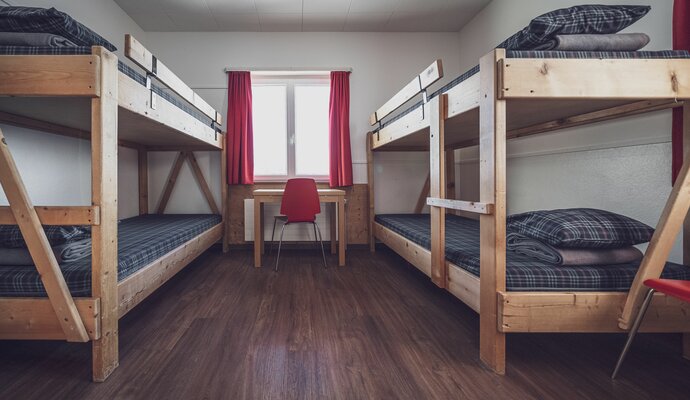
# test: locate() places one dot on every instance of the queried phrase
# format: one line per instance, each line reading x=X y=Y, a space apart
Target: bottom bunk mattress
x=141 y=240
x=523 y=273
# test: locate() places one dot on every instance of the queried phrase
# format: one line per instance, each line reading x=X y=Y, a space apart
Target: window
x=290 y=119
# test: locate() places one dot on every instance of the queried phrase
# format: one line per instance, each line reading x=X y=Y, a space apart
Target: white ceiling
x=302 y=15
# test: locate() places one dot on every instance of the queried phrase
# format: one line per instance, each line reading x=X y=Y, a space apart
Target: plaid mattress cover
x=141 y=240
x=523 y=273
x=132 y=73
x=582 y=55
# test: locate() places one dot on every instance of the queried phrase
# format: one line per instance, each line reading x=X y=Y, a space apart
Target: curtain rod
x=290 y=69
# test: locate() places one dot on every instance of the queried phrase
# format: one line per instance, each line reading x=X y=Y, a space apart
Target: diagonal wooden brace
x=39 y=248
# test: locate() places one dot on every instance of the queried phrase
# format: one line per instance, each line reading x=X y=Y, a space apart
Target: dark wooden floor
x=375 y=329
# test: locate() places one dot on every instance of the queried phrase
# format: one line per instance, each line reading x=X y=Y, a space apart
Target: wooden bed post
x=224 y=194
x=450 y=177
x=492 y=172
x=143 y=157
x=104 y=195
x=437 y=189
x=667 y=229
x=686 y=224
x=370 y=184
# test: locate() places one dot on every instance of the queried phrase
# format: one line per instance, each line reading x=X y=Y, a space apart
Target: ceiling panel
x=302 y=15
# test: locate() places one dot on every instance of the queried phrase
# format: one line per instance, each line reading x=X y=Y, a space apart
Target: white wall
x=382 y=63
x=56 y=170
x=622 y=166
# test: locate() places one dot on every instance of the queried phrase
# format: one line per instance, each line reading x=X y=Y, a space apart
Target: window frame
x=290 y=81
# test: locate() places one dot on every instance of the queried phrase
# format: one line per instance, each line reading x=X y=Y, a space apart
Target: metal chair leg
x=633 y=331
x=316 y=238
x=273 y=234
x=280 y=243
x=323 y=253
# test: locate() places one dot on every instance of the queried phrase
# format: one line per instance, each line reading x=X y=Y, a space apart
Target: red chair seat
x=671 y=287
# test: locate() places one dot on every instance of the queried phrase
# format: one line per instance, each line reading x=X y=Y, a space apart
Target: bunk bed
x=513 y=94
x=85 y=92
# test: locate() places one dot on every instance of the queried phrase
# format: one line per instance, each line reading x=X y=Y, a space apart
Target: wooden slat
x=686 y=223
x=170 y=183
x=437 y=188
x=370 y=191
x=34 y=318
x=201 y=181
x=413 y=253
x=464 y=286
x=49 y=75
x=143 y=175
x=461 y=205
x=492 y=227
x=595 y=79
x=413 y=122
x=431 y=74
x=423 y=194
x=464 y=96
x=53 y=128
x=104 y=132
x=136 y=52
x=224 y=204
x=585 y=312
x=39 y=248
x=57 y=215
x=662 y=242
x=136 y=287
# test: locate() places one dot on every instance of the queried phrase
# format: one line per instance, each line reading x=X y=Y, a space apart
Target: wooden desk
x=335 y=197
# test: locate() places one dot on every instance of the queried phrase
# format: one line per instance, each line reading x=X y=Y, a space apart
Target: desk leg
x=262 y=240
x=333 y=207
x=341 y=232
x=257 y=233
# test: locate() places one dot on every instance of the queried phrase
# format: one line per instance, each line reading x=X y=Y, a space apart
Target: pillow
x=574 y=20
x=49 y=20
x=580 y=228
x=11 y=236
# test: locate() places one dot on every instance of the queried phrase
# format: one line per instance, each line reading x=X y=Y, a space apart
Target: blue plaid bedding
x=141 y=240
x=161 y=91
x=523 y=273
x=11 y=236
x=50 y=20
x=599 y=55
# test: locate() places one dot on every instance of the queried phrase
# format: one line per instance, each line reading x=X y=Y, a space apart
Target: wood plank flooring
x=377 y=329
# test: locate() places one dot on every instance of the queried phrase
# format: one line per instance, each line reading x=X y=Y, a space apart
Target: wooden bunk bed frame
x=500 y=103
x=120 y=112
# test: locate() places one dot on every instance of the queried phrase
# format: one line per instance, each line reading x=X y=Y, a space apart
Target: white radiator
x=293 y=233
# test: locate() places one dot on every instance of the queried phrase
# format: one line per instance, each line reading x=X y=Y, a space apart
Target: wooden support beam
x=201 y=181
x=49 y=76
x=224 y=194
x=33 y=318
x=143 y=160
x=670 y=224
x=686 y=223
x=370 y=191
x=450 y=174
x=423 y=194
x=39 y=248
x=60 y=215
x=415 y=121
x=437 y=188
x=431 y=74
x=461 y=205
x=104 y=120
x=170 y=183
x=492 y=227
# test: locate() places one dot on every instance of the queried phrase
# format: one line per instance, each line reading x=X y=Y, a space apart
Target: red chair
x=670 y=287
x=300 y=205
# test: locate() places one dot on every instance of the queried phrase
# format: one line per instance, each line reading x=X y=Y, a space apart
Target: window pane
x=311 y=129
x=269 y=111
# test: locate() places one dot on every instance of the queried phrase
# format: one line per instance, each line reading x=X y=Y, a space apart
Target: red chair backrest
x=301 y=200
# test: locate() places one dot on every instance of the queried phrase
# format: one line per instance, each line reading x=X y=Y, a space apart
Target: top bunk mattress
x=132 y=73
x=141 y=240
x=550 y=54
x=523 y=273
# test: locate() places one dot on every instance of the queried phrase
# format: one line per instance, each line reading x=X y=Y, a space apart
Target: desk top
x=279 y=192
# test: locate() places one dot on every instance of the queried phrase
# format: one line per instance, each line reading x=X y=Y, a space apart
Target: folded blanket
x=33 y=39
x=64 y=253
x=596 y=42
x=544 y=252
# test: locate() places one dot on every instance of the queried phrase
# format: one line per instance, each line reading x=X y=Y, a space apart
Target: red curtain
x=339 y=130
x=681 y=41
x=240 y=140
